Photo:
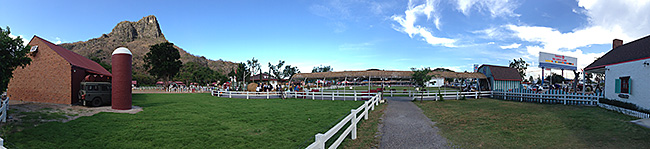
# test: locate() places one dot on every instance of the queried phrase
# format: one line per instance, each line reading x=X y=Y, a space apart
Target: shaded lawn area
x=193 y=121
x=491 y=123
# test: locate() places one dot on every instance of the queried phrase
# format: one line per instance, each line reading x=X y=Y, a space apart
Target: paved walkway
x=405 y=126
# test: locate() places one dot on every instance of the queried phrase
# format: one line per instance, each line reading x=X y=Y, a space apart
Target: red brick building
x=54 y=76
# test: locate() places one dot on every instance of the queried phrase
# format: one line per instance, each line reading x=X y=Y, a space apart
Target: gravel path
x=405 y=126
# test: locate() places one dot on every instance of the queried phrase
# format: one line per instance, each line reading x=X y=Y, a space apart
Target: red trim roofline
x=601 y=66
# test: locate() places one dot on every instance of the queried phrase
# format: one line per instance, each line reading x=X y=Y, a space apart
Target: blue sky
x=354 y=34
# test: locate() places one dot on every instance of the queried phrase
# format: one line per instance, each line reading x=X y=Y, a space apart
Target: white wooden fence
x=549 y=97
x=353 y=118
x=450 y=94
x=288 y=94
x=246 y=94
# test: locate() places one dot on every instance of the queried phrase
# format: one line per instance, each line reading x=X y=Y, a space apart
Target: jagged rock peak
x=147 y=27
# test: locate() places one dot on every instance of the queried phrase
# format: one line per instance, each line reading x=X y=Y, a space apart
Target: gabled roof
x=75 y=59
x=502 y=73
x=635 y=50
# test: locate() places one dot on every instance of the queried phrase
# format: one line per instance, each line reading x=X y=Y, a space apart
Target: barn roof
x=503 y=73
x=75 y=59
x=635 y=50
x=384 y=74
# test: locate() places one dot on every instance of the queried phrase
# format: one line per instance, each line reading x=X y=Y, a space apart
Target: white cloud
x=58 y=40
x=25 y=41
x=625 y=19
x=496 y=8
x=512 y=46
x=408 y=23
x=629 y=15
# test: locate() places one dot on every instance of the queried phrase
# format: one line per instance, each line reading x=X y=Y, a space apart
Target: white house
x=436 y=82
x=627 y=72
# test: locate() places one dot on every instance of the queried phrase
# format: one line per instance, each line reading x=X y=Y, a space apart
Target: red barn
x=54 y=76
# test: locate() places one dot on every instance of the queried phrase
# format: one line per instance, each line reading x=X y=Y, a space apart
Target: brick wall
x=47 y=79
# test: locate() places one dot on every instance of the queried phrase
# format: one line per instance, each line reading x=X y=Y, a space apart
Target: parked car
x=95 y=93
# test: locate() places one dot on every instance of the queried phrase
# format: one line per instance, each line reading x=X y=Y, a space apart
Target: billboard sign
x=555 y=61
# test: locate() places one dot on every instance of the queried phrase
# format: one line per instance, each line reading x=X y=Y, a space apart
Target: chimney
x=617 y=43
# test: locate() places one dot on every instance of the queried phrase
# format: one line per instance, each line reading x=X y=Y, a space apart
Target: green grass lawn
x=192 y=121
x=489 y=123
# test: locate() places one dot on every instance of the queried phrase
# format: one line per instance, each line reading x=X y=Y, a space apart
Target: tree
x=276 y=70
x=163 y=61
x=241 y=74
x=520 y=65
x=443 y=69
x=421 y=76
x=101 y=63
x=289 y=71
x=322 y=68
x=12 y=54
x=254 y=66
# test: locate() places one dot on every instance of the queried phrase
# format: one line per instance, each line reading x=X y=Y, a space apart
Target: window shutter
x=629 y=86
x=617 y=89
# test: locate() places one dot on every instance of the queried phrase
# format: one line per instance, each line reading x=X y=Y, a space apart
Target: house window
x=623 y=85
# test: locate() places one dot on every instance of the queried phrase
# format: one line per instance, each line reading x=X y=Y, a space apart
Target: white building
x=627 y=72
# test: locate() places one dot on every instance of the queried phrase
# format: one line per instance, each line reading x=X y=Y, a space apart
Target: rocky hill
x=138 y=37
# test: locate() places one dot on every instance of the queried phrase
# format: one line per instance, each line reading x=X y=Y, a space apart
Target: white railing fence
x=289 y=94
x=353 y=118
x=548 y=97
x=451 y=94
x=246 y=94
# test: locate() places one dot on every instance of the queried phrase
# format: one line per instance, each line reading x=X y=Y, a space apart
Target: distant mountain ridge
x=138 y=37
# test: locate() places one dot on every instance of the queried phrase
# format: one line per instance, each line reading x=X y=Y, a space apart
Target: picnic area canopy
x=383 y=74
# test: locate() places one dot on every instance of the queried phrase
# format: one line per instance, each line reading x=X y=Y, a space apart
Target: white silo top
x=122 y=50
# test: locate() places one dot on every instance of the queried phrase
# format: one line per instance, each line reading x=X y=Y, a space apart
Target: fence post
x=365 y=110
x=267 y=95
x=246 y=94
x=313 y=96
x=353 y=124
x=457 y=94
x=320 y=142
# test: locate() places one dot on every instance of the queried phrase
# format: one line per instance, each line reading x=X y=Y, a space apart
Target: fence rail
x=246 y=94
x=451 y=95
x=353 y=118
x=549 y=97
x=289 y=94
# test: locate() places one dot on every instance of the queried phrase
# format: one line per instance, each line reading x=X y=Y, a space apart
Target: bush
x=622 y=104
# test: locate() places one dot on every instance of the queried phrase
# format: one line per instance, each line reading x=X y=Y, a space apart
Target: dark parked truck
x=95 y=93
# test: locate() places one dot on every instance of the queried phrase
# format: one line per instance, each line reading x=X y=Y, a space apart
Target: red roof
x=75 y=59
x=503 y=73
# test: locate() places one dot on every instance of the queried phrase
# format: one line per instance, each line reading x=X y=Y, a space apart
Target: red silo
x=121 y=83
